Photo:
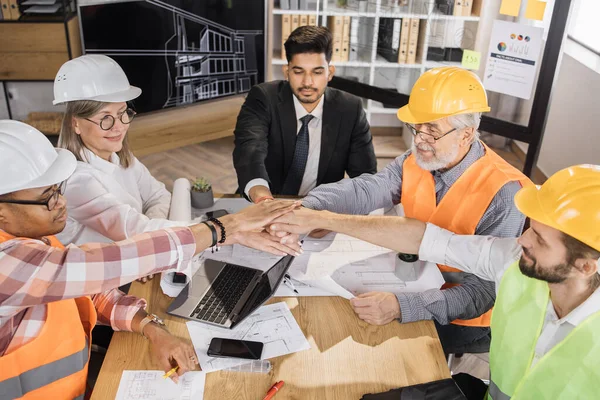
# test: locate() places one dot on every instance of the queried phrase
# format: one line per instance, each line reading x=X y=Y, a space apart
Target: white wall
x=572 y=133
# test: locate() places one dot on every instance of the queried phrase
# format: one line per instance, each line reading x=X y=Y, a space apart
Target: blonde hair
x=71 y=141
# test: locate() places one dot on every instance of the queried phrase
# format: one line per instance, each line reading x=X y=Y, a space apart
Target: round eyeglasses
x=50 y=202
x=428 y=137
x=108 y=121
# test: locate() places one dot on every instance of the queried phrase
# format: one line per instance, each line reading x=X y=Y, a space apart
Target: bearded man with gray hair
x=449 y=178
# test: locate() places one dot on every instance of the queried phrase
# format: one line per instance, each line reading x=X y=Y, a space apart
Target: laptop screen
x=273 y=276
x=267 y=285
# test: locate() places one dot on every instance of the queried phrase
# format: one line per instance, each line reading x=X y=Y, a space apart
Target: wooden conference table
x=347 y=359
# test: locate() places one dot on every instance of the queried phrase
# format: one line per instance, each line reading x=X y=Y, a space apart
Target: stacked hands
x=376 y=308
x=249 y=227
x=273 y=226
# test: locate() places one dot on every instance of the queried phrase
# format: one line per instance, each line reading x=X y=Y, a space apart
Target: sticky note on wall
x=471 y=59
x=510 y=7
x=535 y=10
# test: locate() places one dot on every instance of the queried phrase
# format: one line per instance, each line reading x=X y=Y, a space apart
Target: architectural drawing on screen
x=210 y=60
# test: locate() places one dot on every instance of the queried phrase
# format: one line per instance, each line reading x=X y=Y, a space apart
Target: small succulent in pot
x=202 y=194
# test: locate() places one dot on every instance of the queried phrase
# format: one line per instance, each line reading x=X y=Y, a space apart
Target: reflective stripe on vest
x=462 y=207
x=569 y=370
x=495 y=393
x=43 y=375
x=54 y=364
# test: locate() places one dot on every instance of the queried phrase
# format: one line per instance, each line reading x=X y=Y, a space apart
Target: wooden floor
x=213 y=160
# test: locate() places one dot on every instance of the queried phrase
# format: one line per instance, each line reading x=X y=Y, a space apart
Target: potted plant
x=202 y=194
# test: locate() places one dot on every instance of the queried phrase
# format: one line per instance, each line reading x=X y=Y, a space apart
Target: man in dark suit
x=296 y=134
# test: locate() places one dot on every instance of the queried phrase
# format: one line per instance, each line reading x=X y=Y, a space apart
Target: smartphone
x=220 y=347
x=216 y=213
x=179 y=277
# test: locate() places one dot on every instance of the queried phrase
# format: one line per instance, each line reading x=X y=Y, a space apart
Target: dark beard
x=305 y=100
x=558 y=274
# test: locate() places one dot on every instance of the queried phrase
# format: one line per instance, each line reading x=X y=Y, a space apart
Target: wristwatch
x=151 y=318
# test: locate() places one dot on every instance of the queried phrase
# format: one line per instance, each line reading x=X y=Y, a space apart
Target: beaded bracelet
x=223 y=233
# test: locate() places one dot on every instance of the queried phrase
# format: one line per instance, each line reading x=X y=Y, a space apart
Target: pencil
x=171 y=372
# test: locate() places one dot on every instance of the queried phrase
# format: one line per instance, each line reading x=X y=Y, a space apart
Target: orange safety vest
x=54 y=365
x=462 y=207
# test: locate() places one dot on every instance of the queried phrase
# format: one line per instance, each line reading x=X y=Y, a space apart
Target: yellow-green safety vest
x=569 y=371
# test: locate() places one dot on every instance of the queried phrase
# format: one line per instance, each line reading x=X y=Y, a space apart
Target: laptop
x=224 y=294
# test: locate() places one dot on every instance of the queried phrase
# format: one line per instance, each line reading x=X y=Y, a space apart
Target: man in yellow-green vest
x=546 y=320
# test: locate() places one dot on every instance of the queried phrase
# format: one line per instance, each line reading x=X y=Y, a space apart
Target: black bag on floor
x=445 y=389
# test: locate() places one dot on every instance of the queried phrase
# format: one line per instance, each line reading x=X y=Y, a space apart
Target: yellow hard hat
x=569 y=201
x=443 y=92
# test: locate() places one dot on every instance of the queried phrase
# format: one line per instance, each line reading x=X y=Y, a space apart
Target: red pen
x=273 y=391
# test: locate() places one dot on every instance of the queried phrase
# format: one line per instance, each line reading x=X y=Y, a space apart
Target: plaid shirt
x=33 y=274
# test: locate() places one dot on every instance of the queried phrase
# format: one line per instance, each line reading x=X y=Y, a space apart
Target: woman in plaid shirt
x=44 y=285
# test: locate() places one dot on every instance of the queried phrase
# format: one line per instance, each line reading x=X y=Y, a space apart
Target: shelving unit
x=33 y=47
x=372 y=68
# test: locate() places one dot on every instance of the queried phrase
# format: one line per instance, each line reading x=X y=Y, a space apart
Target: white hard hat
x=28 y=159
x=93 y=77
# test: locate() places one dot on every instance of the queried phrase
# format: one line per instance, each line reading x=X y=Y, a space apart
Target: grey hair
x=462 y=121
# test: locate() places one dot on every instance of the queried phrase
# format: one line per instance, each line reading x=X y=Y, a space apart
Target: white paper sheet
x=274 y=325
x=328 y=284
x=344 y=265
x=358 y=279
x=38 y=2
x=513 y=55
x=303 y=288
x=150 y=385
x=43 y=9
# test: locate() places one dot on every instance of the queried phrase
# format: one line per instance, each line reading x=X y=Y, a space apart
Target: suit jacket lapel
x=289 y=125
x=329 y=134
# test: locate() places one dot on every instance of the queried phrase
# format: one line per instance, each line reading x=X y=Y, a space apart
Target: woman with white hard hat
x=112 y=195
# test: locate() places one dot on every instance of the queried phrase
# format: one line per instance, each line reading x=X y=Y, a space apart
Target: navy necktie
x=296 y=172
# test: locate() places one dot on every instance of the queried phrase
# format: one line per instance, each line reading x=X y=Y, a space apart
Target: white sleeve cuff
x=434 y=244
x=255 y=182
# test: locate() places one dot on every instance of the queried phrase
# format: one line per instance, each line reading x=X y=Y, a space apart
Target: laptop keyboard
x=223 y=295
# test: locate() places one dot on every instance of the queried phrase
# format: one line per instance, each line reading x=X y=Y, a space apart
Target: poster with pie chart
x=513 y=58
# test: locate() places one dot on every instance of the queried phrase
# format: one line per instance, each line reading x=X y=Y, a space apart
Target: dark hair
x=577 y=249
x=309 y=39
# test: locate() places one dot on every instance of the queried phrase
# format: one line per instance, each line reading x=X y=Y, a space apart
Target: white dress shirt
x=106 y=202
x=315 y=126
x=488 y=257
